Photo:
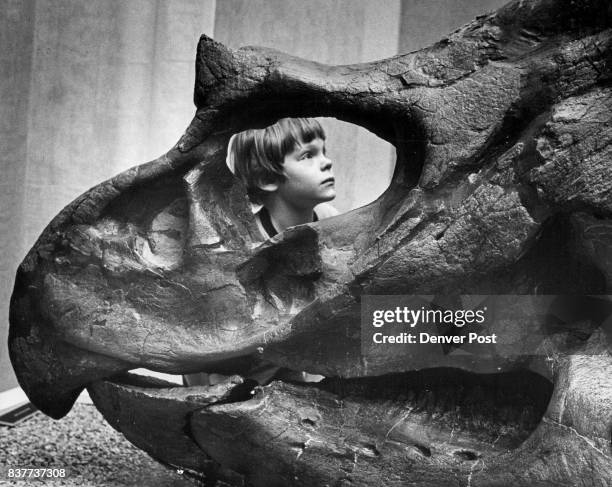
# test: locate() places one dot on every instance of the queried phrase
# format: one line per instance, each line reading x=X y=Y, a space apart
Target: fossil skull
x=503 y=185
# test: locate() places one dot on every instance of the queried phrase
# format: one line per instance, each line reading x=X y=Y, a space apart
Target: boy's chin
x=328 y=197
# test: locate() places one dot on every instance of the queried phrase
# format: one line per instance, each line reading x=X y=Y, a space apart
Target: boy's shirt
x=264 y=223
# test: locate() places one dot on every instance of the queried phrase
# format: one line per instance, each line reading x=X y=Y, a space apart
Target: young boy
x=286 y=172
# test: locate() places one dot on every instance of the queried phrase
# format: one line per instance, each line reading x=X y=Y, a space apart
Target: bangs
x=288 y=134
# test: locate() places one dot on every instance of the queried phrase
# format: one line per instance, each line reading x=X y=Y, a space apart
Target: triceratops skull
x=503 y=185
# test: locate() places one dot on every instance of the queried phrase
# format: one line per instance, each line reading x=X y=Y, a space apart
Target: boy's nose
x=326 y=163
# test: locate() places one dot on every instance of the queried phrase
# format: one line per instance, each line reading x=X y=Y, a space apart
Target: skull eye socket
x=363 y=163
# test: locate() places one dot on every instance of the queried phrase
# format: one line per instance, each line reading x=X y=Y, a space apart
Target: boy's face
x=309 y=177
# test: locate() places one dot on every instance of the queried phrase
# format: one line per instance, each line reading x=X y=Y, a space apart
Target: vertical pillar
x=16 y=37
x=112 y=87
x=88 y=99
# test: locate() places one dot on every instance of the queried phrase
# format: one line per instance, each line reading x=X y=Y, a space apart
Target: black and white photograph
x=340 y=243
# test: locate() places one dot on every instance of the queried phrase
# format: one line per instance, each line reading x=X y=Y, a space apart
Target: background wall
x=92 y=88
x=424 y=22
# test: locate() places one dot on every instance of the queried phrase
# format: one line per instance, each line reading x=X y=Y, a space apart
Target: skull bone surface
x=503 y=186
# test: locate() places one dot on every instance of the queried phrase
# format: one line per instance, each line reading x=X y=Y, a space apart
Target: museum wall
x=424 y=22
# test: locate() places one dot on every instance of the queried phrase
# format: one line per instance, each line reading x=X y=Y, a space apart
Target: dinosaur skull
x=503 y=185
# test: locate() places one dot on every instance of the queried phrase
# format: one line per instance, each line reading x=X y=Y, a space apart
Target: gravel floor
x=83 y=442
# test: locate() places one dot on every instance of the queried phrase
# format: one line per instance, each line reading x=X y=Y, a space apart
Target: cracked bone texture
x=503 y=185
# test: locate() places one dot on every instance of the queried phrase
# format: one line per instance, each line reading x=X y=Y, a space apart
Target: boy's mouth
x=329 y=181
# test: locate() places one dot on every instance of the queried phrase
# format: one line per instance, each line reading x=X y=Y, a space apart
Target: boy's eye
x=306 y=155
